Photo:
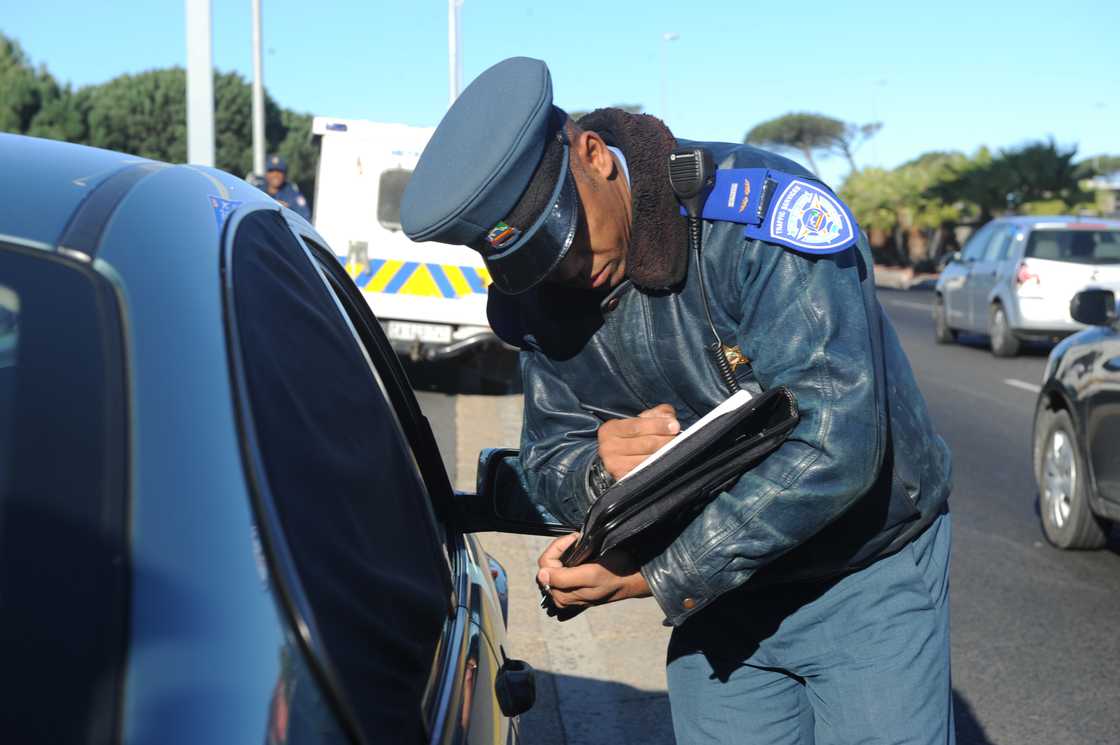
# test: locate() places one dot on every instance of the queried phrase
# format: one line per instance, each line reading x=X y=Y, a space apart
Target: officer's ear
x=593 y=154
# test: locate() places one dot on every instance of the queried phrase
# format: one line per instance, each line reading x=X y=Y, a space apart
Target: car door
x=459 y=702
x=982 y=274
x=956 y=288
x=1102 y=415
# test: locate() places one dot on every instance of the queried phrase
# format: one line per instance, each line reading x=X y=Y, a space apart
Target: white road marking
x=908 y=304
x=1022 y=384
x=1010 y=405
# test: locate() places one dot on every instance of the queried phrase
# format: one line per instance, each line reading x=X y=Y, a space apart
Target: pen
x=604 y=414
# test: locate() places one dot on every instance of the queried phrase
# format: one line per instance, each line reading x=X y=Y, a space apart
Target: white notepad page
x=737 y=400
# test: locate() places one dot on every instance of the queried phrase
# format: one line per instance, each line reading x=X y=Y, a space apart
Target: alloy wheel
x=1059 y=469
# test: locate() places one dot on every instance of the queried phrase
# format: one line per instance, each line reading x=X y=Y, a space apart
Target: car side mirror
x=1094 y=307
x=501 y=502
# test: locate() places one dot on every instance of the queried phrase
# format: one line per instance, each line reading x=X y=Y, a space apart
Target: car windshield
x=1075 y=246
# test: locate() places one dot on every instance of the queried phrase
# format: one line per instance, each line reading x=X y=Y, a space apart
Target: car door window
x=63 y=501
x=442 y=687
x=416 y=427
x=352 y=511
x=976 y=245
x=999 y=246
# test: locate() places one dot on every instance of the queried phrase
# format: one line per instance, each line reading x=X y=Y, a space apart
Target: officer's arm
x=558 y=442
x=804 y=324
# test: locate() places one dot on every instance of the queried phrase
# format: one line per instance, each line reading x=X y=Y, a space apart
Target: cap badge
x=502 y=235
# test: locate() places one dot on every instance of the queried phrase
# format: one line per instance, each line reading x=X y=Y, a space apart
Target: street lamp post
x=200 y=84
x=454 y=50
x=258 y=93
x=666 y=37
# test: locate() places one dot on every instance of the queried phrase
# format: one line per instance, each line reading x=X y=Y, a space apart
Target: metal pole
x=454 y=51
x=200 y=84
x=258 y=93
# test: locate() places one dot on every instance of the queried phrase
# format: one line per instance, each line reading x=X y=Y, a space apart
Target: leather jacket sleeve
x=558 y=441
x=803 y=323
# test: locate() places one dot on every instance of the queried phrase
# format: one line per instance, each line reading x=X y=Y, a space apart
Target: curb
x=903 y=278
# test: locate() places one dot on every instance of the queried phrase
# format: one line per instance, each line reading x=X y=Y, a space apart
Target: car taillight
x=1025 y=275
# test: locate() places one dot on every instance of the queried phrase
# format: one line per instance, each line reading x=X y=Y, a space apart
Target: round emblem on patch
x=807 y=217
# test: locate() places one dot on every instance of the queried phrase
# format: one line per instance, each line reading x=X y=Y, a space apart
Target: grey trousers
x=864 y=659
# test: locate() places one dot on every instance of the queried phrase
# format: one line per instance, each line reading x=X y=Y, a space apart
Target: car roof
x=1033 y=221
x=45 y=181
x=58 y=194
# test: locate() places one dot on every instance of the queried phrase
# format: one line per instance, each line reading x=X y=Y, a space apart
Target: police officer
x=809 y=598
x=283 y=191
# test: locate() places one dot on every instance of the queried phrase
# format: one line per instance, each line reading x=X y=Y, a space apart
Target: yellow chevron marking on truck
x=384 y=275
x=457 y=280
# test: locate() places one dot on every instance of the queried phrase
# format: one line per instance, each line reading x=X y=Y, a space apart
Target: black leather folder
x=684 y=479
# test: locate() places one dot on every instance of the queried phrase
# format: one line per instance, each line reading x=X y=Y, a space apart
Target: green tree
x=23 y=89
x=1042 y=171
x=899 y=204
x=146 y=115
x=851 y=138
x=1014 y=180
x=809 y=133
x=233 y=123
x=806 y=133
x=64 y=118
x=1098 y=165
x=143 y=114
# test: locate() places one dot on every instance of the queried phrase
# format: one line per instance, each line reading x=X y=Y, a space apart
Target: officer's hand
x=624 y=443
x=614 y=577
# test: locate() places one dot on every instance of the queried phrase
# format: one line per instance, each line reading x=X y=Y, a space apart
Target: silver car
x=1015 y=278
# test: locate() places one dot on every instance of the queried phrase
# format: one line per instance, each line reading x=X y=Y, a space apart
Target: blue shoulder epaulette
x=781 y=208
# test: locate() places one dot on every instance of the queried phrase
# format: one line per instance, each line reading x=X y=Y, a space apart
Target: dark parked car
x=1077 y=428
x=223 y=517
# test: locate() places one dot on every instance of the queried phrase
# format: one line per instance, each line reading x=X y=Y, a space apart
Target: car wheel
x=942 y=332
x=1004 y=342
x=1063 y=485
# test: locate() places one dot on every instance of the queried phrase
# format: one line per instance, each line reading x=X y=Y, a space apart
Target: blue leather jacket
x=860 y=476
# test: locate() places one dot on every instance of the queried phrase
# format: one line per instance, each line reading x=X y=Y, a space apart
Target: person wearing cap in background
x=809 y=598
x=283 y=191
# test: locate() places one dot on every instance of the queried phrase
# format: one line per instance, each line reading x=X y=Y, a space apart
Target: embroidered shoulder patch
x=806 y=217
x=780 y=208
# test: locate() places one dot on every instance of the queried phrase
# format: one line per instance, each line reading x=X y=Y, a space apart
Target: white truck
x=429 y=297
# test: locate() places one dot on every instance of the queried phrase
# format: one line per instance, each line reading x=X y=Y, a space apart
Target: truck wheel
x=1004 y=342
x=1063 y=485
x=942 y=332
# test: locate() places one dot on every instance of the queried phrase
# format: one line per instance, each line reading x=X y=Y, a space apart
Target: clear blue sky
x=948 y=74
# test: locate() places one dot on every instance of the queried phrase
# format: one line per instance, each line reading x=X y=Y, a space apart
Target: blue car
x=223 y=517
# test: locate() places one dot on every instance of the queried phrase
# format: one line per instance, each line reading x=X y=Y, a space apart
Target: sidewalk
x=903 y=278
